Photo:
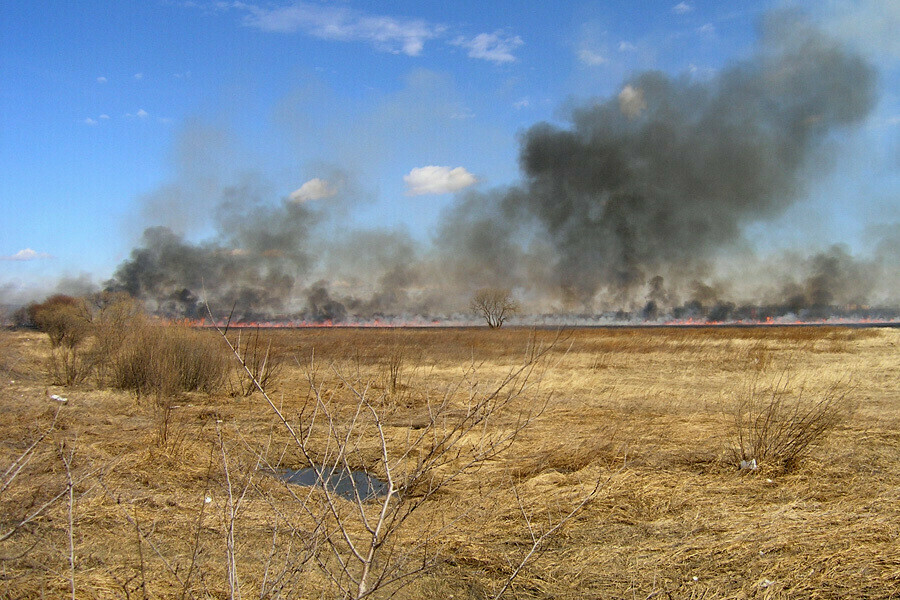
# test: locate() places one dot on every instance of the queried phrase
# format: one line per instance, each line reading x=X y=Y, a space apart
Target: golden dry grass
x=648 y=412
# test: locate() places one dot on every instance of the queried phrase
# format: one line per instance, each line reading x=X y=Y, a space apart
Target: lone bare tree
x=495 y=305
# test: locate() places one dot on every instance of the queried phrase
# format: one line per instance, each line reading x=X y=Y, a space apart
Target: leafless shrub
x=263 y=362
x=114 y=319
x=393 y=370
x=776 y=427
x=31 y=529
x=494 y=305
x=161 y=362
x=11 y=523
x=69 y=365
x=85 y=333
x=164 y=360
x=366 y=540
x=62 y=318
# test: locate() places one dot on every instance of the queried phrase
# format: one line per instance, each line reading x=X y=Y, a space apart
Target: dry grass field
x=587 y=463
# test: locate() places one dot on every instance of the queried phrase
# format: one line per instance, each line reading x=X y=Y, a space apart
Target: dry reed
x=651 y=411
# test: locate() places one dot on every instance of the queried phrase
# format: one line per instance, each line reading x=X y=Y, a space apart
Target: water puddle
x=347 y=484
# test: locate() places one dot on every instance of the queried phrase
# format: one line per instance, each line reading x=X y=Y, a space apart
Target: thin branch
x=538 y=541
x=70 y=513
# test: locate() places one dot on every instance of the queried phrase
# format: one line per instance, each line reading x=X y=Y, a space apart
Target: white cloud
x=104 y=117
x=138 y=76
x=631 y=101
x=437 y=180
x=496 y=47
x=314 y=189
x=101 y=80
x=89 y=121
x=682 y=8
x=707 y=29
x=142 y=113
x=462 y=113
x=591 y=58
x=388 y=34
x=26 y=254
x=523 y=103
x=626 y=47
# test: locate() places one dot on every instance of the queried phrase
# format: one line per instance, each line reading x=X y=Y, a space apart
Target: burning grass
x=649 y=413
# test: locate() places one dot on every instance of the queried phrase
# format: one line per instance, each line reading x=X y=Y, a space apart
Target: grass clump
x=778 y=428
x=107 y=338
x=165 y=360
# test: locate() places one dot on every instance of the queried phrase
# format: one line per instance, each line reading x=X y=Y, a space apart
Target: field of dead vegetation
x=586 y=463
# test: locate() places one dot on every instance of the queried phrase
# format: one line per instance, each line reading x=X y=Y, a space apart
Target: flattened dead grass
x=649 y=412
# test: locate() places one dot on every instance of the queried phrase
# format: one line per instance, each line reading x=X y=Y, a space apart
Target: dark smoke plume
x=252 y=264
x=630 y=207
x=672 y=169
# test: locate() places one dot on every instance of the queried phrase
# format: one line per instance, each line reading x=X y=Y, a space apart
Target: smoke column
x=668 y=172
x=629 y=205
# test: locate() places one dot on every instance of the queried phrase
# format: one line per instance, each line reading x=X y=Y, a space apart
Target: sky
x=118 y=116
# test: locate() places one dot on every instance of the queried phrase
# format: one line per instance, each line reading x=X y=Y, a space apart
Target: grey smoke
x=672 y=169
x=252 y=263
x=630 y=205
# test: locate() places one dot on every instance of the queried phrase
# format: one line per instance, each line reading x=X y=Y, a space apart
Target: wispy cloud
x=102 y=80
x=682 y=8
x=26 y=254
x=389 y=34
x=138 y=76
x=496 y=47
x=707 y=29
x=92 y=121
x=140 y=114
x=591 y=58
x=437 y=180
x=626 y=47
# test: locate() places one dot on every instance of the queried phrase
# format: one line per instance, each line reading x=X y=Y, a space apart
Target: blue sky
x=107 y=107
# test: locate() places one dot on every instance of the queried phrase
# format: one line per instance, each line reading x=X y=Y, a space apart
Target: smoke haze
x=638 y=204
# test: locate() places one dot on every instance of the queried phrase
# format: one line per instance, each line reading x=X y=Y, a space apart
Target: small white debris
x=208 y=499
x=59 y=398
x=770 y=481
x=766 y=583
x=749 y=464
x=219 y=421
x=695 y=578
